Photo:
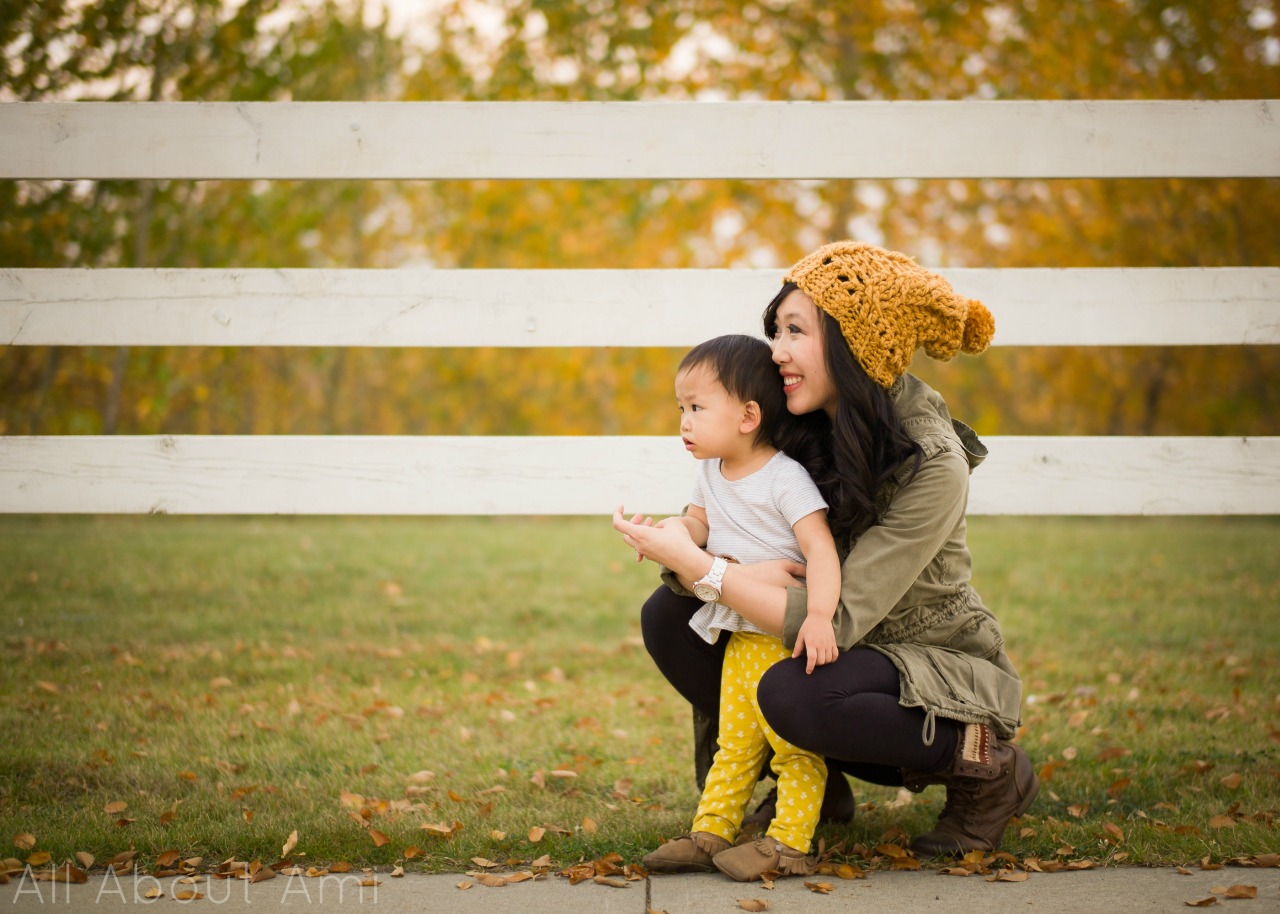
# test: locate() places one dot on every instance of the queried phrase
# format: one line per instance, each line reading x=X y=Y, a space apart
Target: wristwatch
x=707 y=587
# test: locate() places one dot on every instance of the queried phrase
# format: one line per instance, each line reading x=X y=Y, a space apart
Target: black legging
x=847 y=711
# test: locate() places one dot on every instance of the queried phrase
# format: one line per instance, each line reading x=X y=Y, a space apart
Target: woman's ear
x=751 y=417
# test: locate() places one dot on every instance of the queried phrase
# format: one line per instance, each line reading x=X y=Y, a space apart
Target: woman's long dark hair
x=852 y=457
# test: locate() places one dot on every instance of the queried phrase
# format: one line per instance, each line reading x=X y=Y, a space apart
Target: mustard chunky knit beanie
x=887 y=307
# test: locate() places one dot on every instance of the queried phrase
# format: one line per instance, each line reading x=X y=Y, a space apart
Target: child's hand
x=816 y=638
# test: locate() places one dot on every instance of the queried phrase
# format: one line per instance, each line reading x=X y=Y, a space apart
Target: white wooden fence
x=552 y=475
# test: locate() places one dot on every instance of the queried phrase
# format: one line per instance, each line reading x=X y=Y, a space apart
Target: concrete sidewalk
x=1116 y=889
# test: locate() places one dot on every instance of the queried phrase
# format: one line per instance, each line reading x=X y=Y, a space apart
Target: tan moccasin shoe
x=690 y=853
x=749 y=862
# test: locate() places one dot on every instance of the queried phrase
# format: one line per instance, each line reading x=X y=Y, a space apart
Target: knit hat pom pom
x=979 y=328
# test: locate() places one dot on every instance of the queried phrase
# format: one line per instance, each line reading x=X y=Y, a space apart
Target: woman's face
x=798 y=351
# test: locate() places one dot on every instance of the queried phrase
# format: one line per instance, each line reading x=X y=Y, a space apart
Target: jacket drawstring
x=930 y=727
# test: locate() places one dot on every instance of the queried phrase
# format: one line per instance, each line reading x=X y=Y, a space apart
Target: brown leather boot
x=690 y=853
x=988 y=783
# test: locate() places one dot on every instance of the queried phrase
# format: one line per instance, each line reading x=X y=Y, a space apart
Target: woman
x=922 y=692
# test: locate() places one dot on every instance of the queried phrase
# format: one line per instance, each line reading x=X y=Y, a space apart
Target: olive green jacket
x=904 y=583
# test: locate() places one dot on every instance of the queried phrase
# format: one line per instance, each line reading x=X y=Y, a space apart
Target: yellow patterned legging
x=802 y=776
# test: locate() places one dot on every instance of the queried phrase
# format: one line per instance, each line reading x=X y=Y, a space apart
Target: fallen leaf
x=1113 y=830
x=421 y=777
x=821 y=888
x=262 y=875
x=491 y=880
x=1241 y=891
x=188 y=896
x=290 y=844
x=753 y=904
x=536 y=833
x=84 y=858
x=589 y=825
x=412 y=851
x=563 y=773
x=481 y=861
x=544 y=860
x=341 y=866
x=39 y=858
x=1222 y=822
x=397 y=872
x=24 y=840
x=379 y=839
x=523 y=876
x=1008 y=876
x=497 y=835
x=1203 y=902
x=1232 y=781
x=153 y=892
x=115 y=807
x=439 y=829
x=610 y=881
x=73 y=874
x=1078 y=810
x=464 y=885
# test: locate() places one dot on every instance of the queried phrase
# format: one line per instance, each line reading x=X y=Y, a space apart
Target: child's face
x=710 y=419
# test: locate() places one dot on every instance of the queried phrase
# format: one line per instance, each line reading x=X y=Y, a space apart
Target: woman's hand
x=816 y=638
x=778 y=572
x=667 y=544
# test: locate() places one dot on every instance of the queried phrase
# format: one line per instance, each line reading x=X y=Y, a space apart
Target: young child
x=753 y=503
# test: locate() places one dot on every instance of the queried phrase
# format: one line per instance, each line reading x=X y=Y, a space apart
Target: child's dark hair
x=744 y=367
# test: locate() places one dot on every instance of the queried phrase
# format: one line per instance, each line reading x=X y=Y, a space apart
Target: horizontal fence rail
x=530 y=308
x=641 y=140
x=564 y=475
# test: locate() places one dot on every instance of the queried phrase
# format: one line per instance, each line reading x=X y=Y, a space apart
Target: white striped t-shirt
x=751 y=520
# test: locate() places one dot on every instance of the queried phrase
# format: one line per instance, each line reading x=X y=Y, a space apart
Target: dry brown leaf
x=1008 y=876
x=613 y=881
x=188 y=896
x=247 y=815
x=84 y=858
x=1113 y=830
x=1203 y=902
x=1222 y=822
x=341 y=866
x=1241 y=891
x=753 y=904
x=1232 y=781
x=24 y=840
x=412 y=851
x=589 y=825
x=490 y=880
x=379 y=839
x=544 y=860
x=481 y=861
x=536 y=833
x=117 y=806
x=262 y=875
x=522 y=876
x=820 y=888
x=1078 y=810
x=168 y=858
x=153 y=892
x=289 y=844
x=39 y=858
x=397 y=872
x=438 y=828
x=71 y=874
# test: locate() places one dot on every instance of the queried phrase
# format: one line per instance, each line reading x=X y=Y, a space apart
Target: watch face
x=705 y=592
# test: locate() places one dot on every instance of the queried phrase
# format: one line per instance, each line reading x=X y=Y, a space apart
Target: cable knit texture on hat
x=888 y=306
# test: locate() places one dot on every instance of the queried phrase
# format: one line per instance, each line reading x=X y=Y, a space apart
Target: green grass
x=249 y=675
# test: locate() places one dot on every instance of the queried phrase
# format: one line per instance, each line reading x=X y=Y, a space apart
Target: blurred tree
x=626 y=49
